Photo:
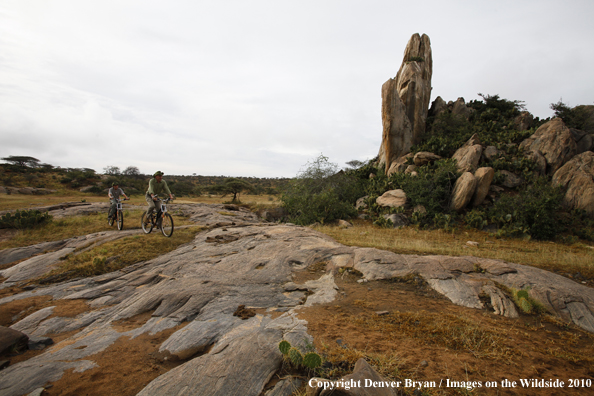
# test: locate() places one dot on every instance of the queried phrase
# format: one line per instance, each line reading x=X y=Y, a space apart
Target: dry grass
x=247 y=200
x=75 y=226
x=115 y=255
x=559 y=258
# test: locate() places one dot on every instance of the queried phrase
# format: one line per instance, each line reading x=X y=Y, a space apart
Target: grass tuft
x=115 y=255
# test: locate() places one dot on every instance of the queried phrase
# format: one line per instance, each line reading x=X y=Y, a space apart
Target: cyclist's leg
x=112 y=208
x=158 y=208
x=151 y=207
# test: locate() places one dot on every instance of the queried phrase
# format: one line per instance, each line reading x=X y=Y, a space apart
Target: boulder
x=405 y=101
x=361 y=203
x=438 y=106
x=540 y=161
x=392 y=198
x=423 y=158
x=467 y=157
x=484 y=177
x=410 y=169
x=399 y=165
x=463 y=191
x=524 y=121
x=460 y=108
x=344 y=224
x=361 y=372
x=577 y=176
x=420 y=209
x=582 y=139
x=398 y=219
x=510 y=180
x=554 y=141
x=490 y=153
x=12 y=340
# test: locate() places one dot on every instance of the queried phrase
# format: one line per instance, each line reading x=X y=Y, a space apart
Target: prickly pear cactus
x=312 y=360
x=284 y=347
x=522 y=294
x=296 y=357
x=525 y=305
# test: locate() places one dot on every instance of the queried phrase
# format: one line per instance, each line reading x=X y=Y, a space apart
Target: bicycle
x=164 y=221
x=118 y=217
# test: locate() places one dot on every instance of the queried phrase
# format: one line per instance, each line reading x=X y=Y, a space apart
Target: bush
x=24 y=219
x=533 y=212
x=321 y=193
x=432 y=189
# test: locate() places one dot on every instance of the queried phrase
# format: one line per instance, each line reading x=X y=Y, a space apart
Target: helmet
x=158 y=173
x=115 y=183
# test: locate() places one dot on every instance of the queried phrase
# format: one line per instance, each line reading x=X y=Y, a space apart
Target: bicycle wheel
x=147 y=225
x=120 y=220
x=167 y=225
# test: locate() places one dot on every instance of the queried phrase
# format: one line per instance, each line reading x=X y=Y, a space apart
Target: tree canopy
x=22 y=161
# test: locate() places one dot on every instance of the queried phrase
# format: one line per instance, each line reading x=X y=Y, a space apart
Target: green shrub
x=533 y=212
x=476 y=219
x=24 y=219
x=321 y=193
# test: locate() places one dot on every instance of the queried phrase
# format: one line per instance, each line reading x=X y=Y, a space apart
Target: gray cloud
x=261 y=87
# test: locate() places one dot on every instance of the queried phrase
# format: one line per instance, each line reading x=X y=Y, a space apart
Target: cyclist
x=156 y=186
x=114 y=194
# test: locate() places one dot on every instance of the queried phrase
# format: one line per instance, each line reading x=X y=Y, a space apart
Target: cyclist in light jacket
x=156 y=186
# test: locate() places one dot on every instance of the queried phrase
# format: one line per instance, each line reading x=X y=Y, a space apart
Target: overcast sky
x=258 y=88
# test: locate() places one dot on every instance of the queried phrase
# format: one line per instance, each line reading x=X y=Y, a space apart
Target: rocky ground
x=167 y=326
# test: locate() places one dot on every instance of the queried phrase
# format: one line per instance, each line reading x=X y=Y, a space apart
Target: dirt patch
x=132 y=323
x=124 y=368
x=12 y=312
x=16 y=310
x=406 y=331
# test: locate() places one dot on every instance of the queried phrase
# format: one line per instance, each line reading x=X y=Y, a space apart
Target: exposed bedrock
x=199 y=286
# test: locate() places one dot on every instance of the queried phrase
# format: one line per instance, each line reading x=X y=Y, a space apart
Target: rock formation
x=463 y=191
x=554 y=141
x=405 y=101
x=468 y=156
x=484 y=177
x=392 y=198
x=577 y=176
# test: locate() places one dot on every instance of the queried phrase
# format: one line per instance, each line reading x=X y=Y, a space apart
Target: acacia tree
x=111 y=170
x=131 y=171
x=232 y=186
x=22 y=161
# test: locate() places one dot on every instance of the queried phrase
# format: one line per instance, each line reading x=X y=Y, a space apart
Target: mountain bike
x=118 y=217
x=161 y=219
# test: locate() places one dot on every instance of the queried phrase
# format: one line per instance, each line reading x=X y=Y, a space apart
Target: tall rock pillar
x=405 y=101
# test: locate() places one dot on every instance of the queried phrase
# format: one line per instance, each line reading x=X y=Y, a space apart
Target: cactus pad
x=296 y=357
x=284 y=347
x=312 y=360
x=522 y=294
x=525 y=305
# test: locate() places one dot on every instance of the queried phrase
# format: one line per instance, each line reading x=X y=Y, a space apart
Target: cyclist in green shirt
x=156 y=186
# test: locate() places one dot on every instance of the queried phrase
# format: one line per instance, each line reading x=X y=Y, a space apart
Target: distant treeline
x=19 y=169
